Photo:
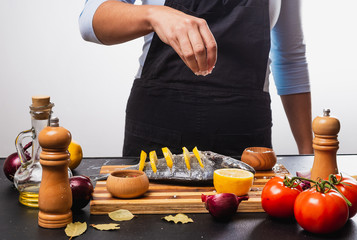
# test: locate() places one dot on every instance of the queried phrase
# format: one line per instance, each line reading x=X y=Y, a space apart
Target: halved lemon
x=143 y=156
x=153 y=160
x=197 y=155
x=187 y=157
x=233 y=180
x=168 y=156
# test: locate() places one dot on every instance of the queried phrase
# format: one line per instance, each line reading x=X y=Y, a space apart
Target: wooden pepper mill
x=325 y=145
x=55 y=195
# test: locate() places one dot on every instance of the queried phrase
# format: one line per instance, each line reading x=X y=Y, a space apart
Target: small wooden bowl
x=127 y=183
x=260 y=158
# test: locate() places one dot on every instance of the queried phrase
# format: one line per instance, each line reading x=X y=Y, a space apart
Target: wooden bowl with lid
x=260 y=158
x=127 y=183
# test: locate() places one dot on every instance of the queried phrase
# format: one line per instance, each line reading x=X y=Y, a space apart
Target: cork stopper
x=326 y=124
x=41 y=107
x=40 y=101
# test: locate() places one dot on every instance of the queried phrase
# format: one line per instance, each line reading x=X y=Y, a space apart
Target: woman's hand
x=189 y=36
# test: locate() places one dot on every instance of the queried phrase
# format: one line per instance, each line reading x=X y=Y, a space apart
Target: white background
x=42 y=52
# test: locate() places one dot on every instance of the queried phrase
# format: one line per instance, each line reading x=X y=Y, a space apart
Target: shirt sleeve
x=288 y=51
x=86 y=18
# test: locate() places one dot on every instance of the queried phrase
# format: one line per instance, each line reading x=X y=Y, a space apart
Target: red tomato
x=349 y=191
x=277 y=199
x=320 y=212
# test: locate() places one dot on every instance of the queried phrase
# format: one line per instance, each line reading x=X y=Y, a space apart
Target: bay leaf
x=75 y=229
x=121 y=215
x=178 y=218
x=106 y=227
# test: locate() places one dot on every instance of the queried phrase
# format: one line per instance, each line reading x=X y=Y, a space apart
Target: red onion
x=13 y=162
x=82 y=189
x=304 y=174
x=222 y=206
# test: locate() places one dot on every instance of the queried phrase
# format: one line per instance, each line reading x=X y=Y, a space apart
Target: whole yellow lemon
x=76 y=154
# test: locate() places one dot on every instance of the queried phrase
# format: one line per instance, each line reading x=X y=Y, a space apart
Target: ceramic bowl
x=260 y=158
x=127 y=183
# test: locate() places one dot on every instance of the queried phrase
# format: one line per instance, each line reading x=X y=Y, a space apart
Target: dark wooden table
x=20 y=222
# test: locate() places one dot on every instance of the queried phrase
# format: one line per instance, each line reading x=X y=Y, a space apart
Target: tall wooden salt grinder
x=55 y=195
x=325 y=145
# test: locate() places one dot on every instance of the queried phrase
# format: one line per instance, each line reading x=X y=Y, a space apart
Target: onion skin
x=13 y=162
x=222 y=206
x=82 y=189
x=305 y=174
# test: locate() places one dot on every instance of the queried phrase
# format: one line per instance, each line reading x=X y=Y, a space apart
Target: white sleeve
x=288 y=51
x=86 y=19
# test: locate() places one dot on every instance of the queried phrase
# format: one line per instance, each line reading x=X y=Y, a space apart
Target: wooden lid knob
x=40 y=101
x=326 y=125
x=55 y=138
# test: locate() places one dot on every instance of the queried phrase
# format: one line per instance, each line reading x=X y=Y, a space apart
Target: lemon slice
x=197 y=154
x=232 y=180
x=168 y=156
x=153 y=160
x=143 y=156
x=187 y=157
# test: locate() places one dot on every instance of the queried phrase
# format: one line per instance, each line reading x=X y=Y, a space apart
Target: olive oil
x=29 y=199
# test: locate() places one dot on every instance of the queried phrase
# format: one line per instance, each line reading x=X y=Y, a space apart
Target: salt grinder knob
x=325 y=144
x=55 y=195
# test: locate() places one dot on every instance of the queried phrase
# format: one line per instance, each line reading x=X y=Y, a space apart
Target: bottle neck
x=39 y=120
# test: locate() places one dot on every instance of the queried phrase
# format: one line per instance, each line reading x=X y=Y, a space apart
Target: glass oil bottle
x=27 y=178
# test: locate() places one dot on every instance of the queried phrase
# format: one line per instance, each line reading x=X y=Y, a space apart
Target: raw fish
x=179 y=174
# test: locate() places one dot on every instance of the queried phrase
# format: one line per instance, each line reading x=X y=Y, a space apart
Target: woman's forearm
x=298 y=111
x=117 y=22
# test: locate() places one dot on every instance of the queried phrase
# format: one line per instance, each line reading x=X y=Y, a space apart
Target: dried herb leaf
x=75 y=229
x=121 y=215
x=106 y=227
x=178 y=218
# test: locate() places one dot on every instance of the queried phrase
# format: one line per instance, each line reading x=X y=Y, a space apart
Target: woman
x=185 y=94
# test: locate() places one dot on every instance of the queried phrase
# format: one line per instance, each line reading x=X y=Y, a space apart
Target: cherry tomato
x=278 y=199
x=320 y=213
x=348 y=187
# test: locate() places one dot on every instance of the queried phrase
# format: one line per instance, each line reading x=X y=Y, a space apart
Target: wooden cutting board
x=170 y=199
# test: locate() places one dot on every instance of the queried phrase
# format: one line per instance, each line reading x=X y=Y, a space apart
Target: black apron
x=224 y=112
